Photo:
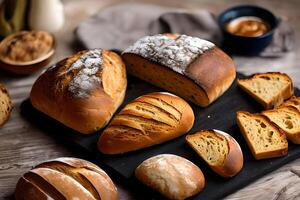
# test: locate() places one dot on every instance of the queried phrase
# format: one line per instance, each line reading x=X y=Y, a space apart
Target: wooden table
x=23 y=146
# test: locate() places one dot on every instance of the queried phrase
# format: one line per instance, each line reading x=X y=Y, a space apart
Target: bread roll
x=190 y=67
x=82 y=91
x=148 y=120
x=173 y=176
x=66 y=178
x=5 y=105
x=219 y=150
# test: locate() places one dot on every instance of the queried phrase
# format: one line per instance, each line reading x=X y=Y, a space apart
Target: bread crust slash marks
x=148 y=120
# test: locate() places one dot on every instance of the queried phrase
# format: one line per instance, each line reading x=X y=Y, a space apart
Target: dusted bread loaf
x=190 y=67
x=148 y=120
x=66 y=178
x=82 y=91
x=172 y=176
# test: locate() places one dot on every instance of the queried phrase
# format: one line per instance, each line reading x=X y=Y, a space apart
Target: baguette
x=148 y=120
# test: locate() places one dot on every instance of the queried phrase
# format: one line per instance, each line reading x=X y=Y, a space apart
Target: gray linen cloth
x=119 y=26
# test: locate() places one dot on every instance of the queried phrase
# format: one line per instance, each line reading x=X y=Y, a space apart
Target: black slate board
x=220 y=115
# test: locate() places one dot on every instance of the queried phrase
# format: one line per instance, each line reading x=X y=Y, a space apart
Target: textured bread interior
x=211 y=147
x=266 y=86
x=166 y=79
x=66 y=170
x=262 y=135
x=145 y=116
x=286 y=118
x=5 y=106
x=294 y=101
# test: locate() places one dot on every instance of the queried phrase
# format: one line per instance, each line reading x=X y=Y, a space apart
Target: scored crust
x=148 y=120
x=66 y=178
x=83 y=90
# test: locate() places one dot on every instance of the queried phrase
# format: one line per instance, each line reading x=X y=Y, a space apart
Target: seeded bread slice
x=5 y=105
x=293 y=101
x=263 y=137
x=269 y=89
x=288 y=119
x=219 y=150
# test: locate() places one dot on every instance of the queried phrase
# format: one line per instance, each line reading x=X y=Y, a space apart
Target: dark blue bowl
x=242 y=44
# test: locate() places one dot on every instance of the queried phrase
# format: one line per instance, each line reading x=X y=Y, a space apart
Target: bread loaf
x=66 y=178
x=293 y=101
x=219 y=150
x=82 y=91
x=190 y=67
x=172 y=176
x=5 y=105
x=148 y=120
x=263 y=137
x=288 y=119
x=269 y=89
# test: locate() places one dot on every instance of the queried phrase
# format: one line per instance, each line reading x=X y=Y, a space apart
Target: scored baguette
x=269 y=89
x=263 y=137
x=219 y=150
x=148 y=120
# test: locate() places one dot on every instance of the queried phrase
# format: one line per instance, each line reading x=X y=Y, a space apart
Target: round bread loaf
x=148 y=120
x=82 y=91
x=66 y=178
x=5 y=105
x=172 y=176
x=190 y=67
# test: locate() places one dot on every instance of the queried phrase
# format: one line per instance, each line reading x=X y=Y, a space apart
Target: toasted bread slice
x=288 y=119
x=219 y=150
x=269 y=89
x=293 y=101
x=263 y=137
x=5 y=105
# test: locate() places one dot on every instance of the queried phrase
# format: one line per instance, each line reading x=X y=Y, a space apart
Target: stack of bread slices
x=267 y=132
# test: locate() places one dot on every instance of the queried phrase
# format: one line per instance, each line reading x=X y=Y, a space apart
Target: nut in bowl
x=247 y=29
x=26 y=52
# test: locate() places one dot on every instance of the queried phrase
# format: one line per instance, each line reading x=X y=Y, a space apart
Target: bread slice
x=293 y=101
x=263 y=137
x=5 y=105
x=269 y=89
x=288 y=119
x=219 y=150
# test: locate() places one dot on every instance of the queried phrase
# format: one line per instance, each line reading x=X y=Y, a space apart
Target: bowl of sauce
x=247 y=29
x=25 y=52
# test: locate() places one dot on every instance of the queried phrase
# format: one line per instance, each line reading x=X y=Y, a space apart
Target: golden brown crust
x=87 y=114
x=233 y=162
x=148 y=120
x=205 y=79
x=5 y=105
x=66 y=178
x=263 y=155
x=173 y=176
x=276 y=100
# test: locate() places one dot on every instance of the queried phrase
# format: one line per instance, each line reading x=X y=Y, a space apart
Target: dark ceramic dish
x=242 y=44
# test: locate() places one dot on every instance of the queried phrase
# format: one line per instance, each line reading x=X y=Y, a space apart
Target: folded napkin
x=119 y=26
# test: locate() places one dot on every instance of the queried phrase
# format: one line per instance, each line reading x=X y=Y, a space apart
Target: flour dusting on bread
x=176 y=54
x=86 y=79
